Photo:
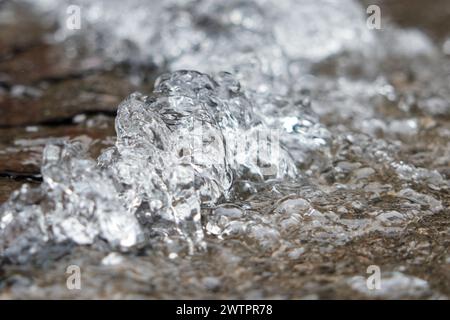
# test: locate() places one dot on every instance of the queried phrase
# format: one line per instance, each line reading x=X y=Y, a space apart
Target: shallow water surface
x=270 y=149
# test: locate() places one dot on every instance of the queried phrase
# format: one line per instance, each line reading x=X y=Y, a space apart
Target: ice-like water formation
x=273 y=48
x=178 y=149
x=76 y=202
x=199 y=139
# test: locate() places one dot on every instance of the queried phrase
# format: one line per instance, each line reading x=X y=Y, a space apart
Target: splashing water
x=200 y=140
x=179 y=148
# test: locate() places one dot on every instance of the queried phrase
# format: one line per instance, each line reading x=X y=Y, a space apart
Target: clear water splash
x=193 y=144
x=178 y=149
